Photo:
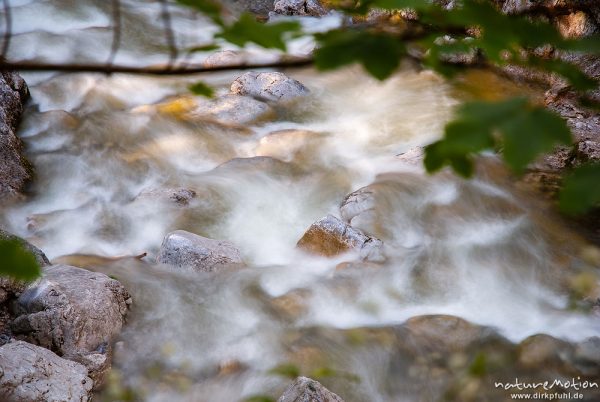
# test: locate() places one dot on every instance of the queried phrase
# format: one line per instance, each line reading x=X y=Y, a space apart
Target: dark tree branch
x=150 y=70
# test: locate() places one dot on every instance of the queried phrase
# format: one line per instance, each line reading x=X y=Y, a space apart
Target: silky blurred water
x=473 y=249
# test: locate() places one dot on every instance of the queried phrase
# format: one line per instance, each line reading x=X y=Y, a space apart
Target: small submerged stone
x=185 y=249
x=304 y=389
x=287 y=144
x=257 y=164
x=271 y=86
x=179 y=196
x=224 y=58
x=329 y=236
x=32 y=373
x=233 y=109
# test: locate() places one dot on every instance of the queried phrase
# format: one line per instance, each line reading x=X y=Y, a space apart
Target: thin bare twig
x=7 y=29
x=116 y=40
x=166 y=17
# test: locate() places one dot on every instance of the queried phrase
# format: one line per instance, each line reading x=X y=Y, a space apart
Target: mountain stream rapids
x=103 y=147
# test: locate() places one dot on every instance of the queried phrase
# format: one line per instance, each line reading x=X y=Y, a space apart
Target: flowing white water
x=470 y=249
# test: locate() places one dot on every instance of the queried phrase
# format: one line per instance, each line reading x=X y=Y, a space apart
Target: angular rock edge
x=304 y=389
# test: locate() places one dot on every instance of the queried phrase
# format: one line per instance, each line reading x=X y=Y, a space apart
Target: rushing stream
x=104 y=146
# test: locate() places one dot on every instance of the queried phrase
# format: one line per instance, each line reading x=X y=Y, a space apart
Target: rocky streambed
x=277 y=239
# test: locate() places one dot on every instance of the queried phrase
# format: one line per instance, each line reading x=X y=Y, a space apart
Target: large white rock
x=185 y=249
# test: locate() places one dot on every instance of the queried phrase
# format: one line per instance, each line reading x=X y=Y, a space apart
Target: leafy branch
x=521 y=130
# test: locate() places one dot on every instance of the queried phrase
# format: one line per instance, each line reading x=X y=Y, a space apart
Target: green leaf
x=531 y=133
x=589 y=44
x=526 y=132
x=286 y=370
x=200 y=88
x=581 y=190
x=379 y=53
x=210 y=8
x=471 y=132
x=16 y=262
x=203 y=48
x=569 y=71
x=247 y=29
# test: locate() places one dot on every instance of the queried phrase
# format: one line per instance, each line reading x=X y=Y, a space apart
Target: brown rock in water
x=543 y=350
x=306 y=390
x=576 y=25
x=443 y=331
x=329 y=236
x=75 y=313
x=29 y=373
x=15 y=171
x=185 y=249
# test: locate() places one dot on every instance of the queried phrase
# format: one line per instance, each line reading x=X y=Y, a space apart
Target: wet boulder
x=304 y=389
x=233 y=109
x=586 y=356
x=299 y=7
x=15 y=171
x=543 y=350
x=73 y=312
x=185 y=249
x=442 y=332
x=30 y=373
x=329 y=236
x=268 y=86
